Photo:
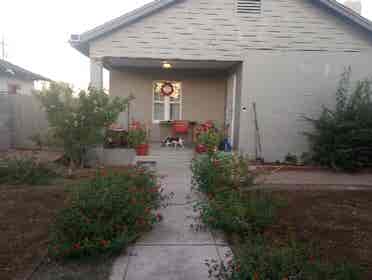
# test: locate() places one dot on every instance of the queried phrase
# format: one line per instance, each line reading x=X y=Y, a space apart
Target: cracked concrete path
x=173 y=250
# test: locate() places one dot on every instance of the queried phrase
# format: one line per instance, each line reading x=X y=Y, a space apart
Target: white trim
x=166 y=103
x=233 y=111
x=166 y=108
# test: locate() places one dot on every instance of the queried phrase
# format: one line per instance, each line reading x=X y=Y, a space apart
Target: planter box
x=110 y=157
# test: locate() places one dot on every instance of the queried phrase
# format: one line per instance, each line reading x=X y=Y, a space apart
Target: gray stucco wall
x=211 y=29
x=286 y=85
x=203 y=94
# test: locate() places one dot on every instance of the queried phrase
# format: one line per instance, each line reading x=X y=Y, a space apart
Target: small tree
x=77 y=123
x=342 y=137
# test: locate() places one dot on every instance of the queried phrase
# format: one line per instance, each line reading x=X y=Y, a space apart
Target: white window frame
x=167 y=102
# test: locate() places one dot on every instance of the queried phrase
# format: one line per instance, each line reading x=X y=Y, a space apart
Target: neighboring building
x=355 y=5
x=221 y=56
x=16 y=80
x=20 y=114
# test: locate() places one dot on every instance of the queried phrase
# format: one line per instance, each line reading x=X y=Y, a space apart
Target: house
x=203 y=60
x=20 y=114
x=17 y=80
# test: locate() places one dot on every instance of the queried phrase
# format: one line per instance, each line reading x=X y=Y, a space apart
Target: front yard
x=283 y=234
x=334 y=227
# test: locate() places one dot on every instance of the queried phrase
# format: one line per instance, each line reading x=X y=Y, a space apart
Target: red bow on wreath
x=167 y=89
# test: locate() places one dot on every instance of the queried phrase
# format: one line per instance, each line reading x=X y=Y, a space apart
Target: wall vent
x=249 y=6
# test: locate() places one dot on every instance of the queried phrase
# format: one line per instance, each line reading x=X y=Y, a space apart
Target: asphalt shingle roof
x=11 y=70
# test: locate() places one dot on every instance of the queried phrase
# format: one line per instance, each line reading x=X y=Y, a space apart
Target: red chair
x=180 y=127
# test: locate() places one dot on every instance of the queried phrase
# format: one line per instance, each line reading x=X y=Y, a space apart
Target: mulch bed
x=25 y=214
x=338 y=222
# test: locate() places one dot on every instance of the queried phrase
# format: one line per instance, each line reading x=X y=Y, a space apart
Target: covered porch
x=165 y=91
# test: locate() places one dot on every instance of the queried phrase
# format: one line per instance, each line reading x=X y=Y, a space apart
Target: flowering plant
x=78 y=122
x=107 y=213
x=208 y=137
x=137 y=134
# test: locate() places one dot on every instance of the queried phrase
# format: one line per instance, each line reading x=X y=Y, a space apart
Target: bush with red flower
x=107 y=213
x=208 y=137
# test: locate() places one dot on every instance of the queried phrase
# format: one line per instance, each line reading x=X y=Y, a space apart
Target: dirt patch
x=25 y=214
x=339 y=222
x=44 y=156
x=94 y=269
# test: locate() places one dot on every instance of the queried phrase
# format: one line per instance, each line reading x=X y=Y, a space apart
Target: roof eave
x=82 y=44
x=348 y=13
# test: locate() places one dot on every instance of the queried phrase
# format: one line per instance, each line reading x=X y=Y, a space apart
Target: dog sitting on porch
x=173 y=141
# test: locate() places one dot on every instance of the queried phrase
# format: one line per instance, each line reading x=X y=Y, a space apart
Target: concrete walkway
x=173 y=250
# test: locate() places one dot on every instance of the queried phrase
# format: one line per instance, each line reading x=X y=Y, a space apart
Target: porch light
x=167 y=65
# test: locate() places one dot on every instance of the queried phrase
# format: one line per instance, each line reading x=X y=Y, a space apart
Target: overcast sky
x=37 y=32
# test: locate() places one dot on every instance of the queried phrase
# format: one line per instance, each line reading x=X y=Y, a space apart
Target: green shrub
x=209 y=136
x=209 y=173
x=342 y=136
x=106 y=213
x=28 y=171
x=213 y=172
x=224 y=178
x=255 y=260
x=77 y=123
x=239 y=213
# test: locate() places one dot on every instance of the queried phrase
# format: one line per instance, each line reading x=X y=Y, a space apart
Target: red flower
x=159 y=217
x=135 y=125
x=140 y=221
x=77 y=246
x=104 y=243
x=209 y=124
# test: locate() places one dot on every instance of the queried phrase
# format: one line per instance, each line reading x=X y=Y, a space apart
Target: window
x=167 y=101
x=13 y=88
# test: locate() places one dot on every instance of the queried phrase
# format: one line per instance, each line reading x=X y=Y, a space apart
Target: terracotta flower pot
x=142 y=150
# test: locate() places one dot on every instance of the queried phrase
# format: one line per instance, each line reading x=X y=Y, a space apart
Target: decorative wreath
x=167 y=89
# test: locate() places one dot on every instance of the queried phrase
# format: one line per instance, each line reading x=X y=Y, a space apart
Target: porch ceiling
x=146 y=63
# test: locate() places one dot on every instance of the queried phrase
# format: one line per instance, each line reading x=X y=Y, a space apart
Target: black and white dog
x=173 y=141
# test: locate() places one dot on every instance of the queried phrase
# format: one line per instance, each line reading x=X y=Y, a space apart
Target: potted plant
x=137 y=139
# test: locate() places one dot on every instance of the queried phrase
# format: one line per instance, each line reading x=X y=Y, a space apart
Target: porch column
x=96 y=73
